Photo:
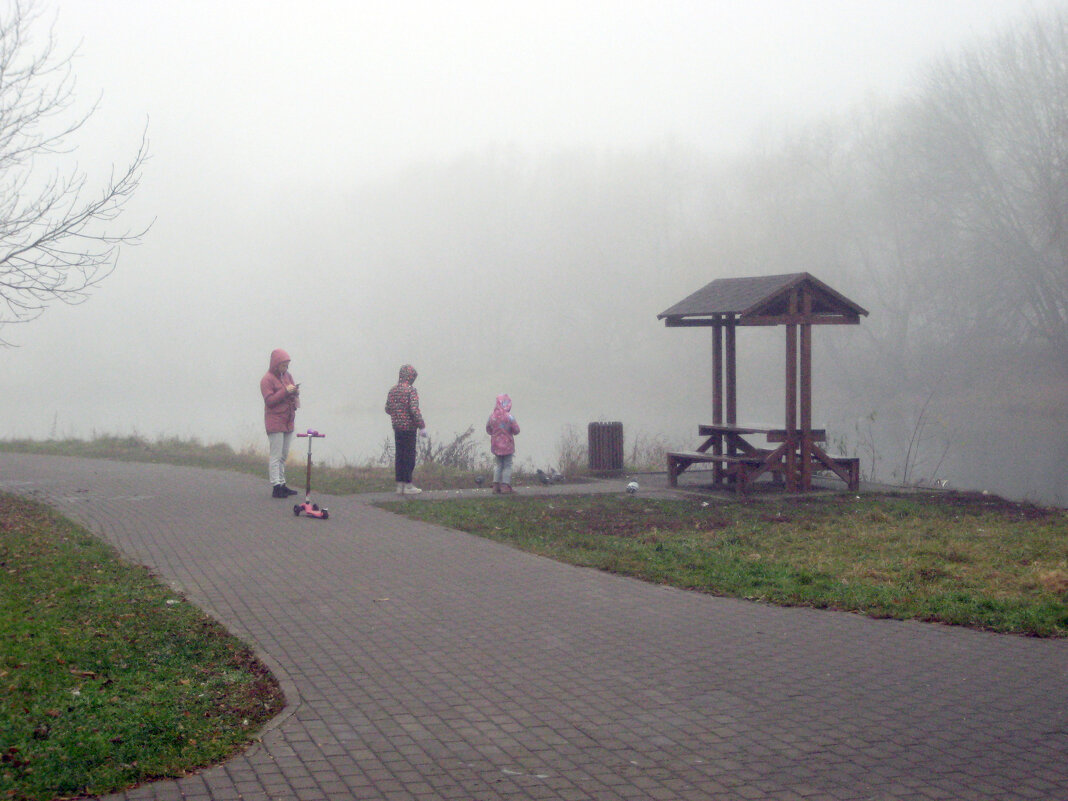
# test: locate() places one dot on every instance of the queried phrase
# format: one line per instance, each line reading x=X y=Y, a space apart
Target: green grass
x=108 y=678
x=962 y=559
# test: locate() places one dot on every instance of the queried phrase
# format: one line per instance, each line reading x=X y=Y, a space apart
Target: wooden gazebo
x=797 y=301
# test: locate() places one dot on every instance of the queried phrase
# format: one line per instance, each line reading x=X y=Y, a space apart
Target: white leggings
x=279 y=444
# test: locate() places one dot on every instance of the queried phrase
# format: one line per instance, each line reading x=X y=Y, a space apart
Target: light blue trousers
x=502 y=469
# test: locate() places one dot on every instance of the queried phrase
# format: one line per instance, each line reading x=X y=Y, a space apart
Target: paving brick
x=493 y=674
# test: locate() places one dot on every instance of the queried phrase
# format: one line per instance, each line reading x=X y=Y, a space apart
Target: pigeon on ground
x=632 y=488
x=542 y=477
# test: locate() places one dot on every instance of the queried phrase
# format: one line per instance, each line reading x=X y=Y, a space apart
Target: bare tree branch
x=57 y=240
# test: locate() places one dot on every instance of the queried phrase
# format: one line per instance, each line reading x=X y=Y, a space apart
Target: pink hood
x=277 y=357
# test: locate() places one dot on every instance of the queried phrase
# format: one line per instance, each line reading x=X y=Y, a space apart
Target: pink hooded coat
x=502 y=427
x=279 y=407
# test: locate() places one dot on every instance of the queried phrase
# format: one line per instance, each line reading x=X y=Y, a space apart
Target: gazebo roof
x=761 y=300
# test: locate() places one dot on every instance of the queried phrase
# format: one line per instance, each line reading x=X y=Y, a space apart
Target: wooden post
x=717 y=395
x=717 y=374
x=791 y=398
x=732 y=376
x=732 y=381
x=806 y=391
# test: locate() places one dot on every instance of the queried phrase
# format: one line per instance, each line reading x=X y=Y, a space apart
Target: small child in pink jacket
x=502 y=428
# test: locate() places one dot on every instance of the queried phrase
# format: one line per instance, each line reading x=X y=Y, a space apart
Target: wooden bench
x=846 y=468
x=678 y=461
x=743 y=466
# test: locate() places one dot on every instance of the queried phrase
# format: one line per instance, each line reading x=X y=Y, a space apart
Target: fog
x=504 y=195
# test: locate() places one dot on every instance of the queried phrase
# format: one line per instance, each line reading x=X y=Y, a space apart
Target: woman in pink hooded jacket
x=281 y=398
x=502 y=428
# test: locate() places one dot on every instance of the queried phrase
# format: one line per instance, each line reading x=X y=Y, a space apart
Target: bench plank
x=779 y=435
x=698 y=456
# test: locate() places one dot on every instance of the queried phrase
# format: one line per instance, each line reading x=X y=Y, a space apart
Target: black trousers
x=404 y=454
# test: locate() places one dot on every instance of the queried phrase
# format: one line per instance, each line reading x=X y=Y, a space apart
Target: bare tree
x=57 y=240
x=992 y=135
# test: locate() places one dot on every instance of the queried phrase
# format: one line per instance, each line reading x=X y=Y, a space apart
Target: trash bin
x=606 y=447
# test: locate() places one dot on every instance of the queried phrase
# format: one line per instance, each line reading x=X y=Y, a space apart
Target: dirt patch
x=984 y=502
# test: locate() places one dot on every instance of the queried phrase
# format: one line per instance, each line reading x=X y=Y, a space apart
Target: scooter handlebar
x=311 y=432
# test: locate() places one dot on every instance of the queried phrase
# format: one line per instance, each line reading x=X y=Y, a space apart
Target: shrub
x=572 y=452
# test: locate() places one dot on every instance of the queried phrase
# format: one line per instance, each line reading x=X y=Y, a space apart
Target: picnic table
x=790 y=456
x=798 y=302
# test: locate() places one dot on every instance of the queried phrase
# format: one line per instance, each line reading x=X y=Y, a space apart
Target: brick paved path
x=423 y=663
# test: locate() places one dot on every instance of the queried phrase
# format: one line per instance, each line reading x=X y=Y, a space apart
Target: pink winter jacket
x=502 y=427
x=279 y=407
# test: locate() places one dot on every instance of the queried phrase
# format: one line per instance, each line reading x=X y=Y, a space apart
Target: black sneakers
x=282 y=491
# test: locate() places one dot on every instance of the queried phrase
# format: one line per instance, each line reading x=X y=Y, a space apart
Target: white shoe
x=400 y=487
x=411 y=489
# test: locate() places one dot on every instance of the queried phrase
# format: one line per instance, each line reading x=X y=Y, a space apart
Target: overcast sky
x=341 y=88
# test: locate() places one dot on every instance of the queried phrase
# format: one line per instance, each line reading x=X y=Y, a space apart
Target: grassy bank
x=134 y=448
x=347 y=479
x=963 y=559
x=108 y=678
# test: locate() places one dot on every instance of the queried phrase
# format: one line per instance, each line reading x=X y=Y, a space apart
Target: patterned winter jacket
x=402 y=402
x=502 y=427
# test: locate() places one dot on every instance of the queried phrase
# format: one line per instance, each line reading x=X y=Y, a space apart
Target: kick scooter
x=308 y=508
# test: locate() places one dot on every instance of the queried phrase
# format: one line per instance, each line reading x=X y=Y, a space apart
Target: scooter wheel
x=296 y=510
x=315 y=507
x=326 y=515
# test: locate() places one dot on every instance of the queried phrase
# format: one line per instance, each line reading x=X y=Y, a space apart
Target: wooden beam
x=791 y=399
x=799 y=319
x=732 y=376
x=717 y=375
x=717 y=397
x=806 y=393
x=689 y=322
x=765 y=320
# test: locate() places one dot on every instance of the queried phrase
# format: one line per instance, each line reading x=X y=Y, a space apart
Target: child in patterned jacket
x=502 y=428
